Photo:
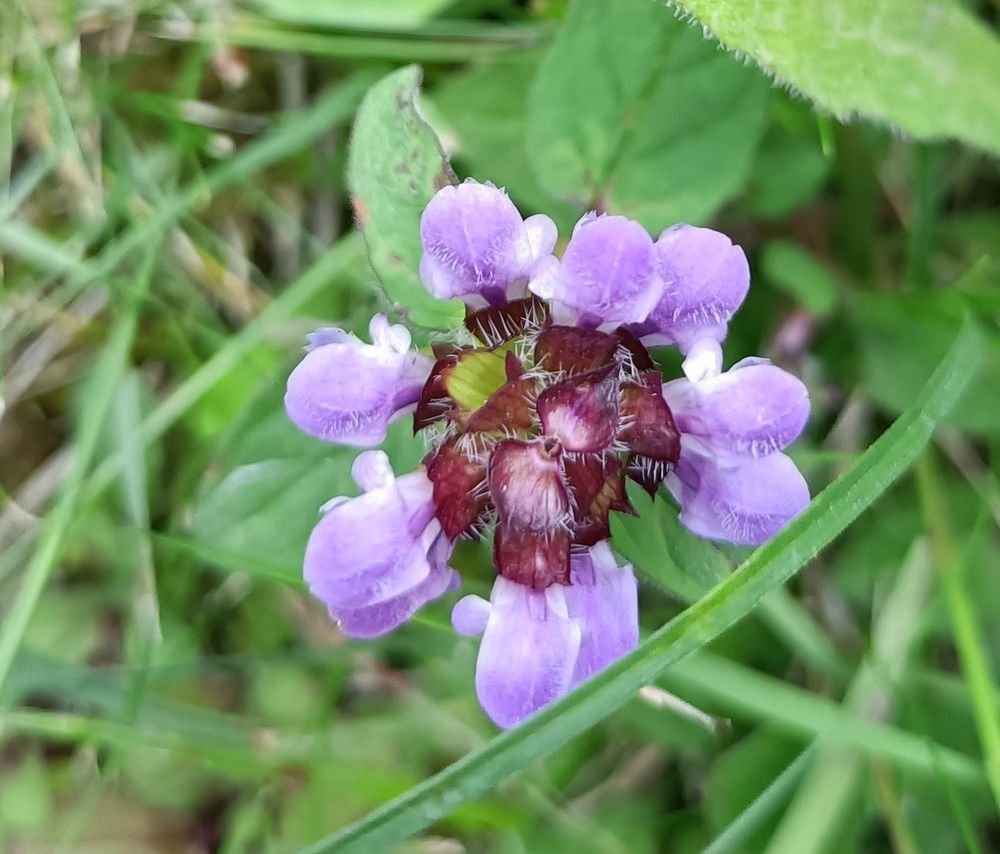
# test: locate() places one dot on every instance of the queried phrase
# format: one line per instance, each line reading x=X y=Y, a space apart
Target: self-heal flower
x=706 y=278
x=477 y=247
x=375 y=559
x=537 y=644
x=346 y=391
x=535 y=417
x=731 y=481
x=609 y=274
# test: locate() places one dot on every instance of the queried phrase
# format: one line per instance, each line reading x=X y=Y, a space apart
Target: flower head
x=535 y=417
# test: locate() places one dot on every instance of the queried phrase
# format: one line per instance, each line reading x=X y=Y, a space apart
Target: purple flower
x=477 y=247
x=731 y=481
x=608 y=275
x=536 y=416
x=537 y=644
x=707 y=278
x=346 y=391
x=375 y=559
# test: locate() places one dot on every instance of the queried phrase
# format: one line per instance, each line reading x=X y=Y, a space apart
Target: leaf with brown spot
x=395 y=165
x=509 y=408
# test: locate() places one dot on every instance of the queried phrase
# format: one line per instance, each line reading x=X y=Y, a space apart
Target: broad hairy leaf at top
x=926 y=66
x=733 y=598
x=395 y=166
x=634 y=108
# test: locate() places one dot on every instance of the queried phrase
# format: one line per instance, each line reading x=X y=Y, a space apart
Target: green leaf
x=729 y=601
x=791 y=268
x=267 y=509
x=900 y=337
x=376 y=14
x=658 y=545
x=633 y=107
x=484 y=111
x=790 y=166
x=926 y=66
x=394 y=167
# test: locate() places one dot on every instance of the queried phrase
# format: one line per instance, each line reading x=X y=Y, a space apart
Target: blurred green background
x=175 y=216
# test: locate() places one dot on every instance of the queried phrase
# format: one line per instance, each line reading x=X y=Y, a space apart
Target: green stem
x=968 y=637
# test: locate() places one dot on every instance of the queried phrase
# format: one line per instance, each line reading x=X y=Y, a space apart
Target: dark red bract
x=542 y=461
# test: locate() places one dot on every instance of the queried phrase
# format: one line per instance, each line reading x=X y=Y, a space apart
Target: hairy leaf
x=394 y=167
x=633 y=108
x=926 y=66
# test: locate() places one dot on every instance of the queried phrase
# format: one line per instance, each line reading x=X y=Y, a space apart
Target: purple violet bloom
x=608 y=275
x=707 y=278
x=477 y=247
x=731 y=481
x=373 y=560
x=537 y=644
x=534 y=424
x=346 y=391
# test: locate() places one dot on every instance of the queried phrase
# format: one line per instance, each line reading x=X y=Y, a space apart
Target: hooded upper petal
x=477 y=246
x=747 y=504
x=752 y=410
x=528 y=652
x=604 y=599
x=706 y=280
x=383 y=548
x=347 y=391
x=608 y=274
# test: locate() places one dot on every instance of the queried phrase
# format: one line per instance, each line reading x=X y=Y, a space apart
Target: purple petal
x=747 y=504
x=470 y=615
x=476 y=246
x=371 y=470
x=327 y=335
x=604 y=598
x=347 y=391
x=608 y=274
x=707 y=278
x=382 y=617
x=747 y=412
x=372 y=548
x=528 y=652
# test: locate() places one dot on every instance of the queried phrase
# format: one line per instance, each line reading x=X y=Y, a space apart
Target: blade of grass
x=734 y=837
x=968 y=635
x=784 y=615
x=291 y=134
x=250 y=32
x=767 y=568
x=742 y=692
x=100 y=390
x=822 y=806
x=145 y=632
x=332 y=262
